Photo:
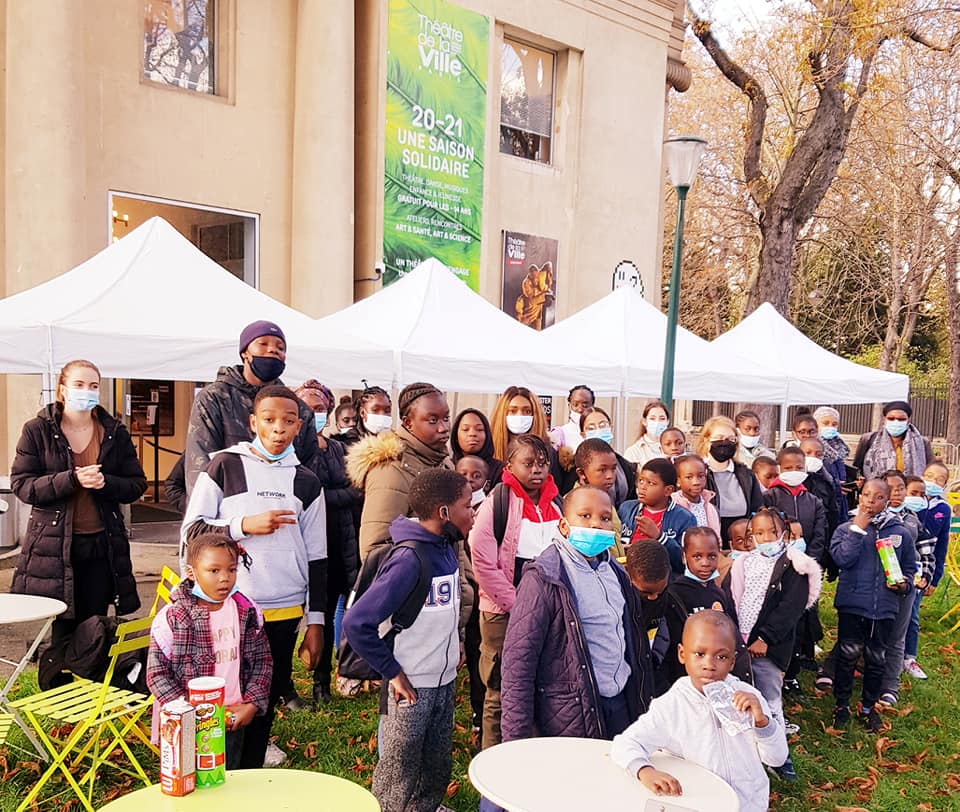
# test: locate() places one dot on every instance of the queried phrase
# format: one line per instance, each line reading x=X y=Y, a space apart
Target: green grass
x=913 y=765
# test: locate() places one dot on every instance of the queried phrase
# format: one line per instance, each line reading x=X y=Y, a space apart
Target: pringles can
x=206 y=695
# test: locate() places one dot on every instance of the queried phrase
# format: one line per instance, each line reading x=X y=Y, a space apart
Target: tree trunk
x=953 y=331
x=777 y=258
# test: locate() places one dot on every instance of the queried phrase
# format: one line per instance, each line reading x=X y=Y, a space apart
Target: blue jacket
x=862 y=588
x=936 y=520
x=676 y=521
x=428 y=651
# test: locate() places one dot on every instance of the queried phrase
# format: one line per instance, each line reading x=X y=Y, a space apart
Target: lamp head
x=683 y=154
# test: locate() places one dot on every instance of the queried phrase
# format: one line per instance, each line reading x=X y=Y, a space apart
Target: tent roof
x=444 y=332
x=152 y=305
x=623 y=336
x=813 y=374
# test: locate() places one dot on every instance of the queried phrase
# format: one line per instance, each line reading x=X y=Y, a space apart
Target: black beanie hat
x=897 y=404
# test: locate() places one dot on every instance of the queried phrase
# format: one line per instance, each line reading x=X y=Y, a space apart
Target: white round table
x=26 y=609
x=544 y=775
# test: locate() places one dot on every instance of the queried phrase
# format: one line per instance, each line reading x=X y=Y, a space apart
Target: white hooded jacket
x=683 y=722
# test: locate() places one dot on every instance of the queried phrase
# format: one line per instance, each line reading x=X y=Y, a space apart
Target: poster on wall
x=530 y=279
x=436 y=128
x=148 y=401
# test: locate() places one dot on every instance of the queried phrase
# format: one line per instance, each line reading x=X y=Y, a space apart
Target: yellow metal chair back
x=168 y=582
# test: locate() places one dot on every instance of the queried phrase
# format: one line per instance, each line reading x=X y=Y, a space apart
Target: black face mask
x=266 y=367
x=723 y=450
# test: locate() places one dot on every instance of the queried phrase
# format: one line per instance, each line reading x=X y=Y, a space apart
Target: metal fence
x=929 y=415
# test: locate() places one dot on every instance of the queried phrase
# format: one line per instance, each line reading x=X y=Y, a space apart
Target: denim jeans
x=913 y=630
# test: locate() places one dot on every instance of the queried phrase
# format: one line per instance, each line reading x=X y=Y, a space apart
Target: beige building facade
x=267 y=141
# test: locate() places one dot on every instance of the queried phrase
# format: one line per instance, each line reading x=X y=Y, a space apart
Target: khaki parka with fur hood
x=384 y=466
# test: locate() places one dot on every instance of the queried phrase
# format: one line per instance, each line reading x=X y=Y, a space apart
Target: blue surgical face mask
x=697 y=578
x=657 y=427
x=197 y=592
x=81 y=400
x=896 y=508
x=829 y=433
x=771 y=549
x=272 y=457
x=600 y=434
x=735 y=554
x=799 y=544
x=896 y=428
x=914 y=503
x=320 y=421
x=933 y=489
x=590 y=541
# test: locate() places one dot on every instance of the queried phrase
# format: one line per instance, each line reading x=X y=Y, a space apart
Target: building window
x=526 y=101
x=179 y=42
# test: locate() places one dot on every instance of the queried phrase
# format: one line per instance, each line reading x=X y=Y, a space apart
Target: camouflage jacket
x=220 y=418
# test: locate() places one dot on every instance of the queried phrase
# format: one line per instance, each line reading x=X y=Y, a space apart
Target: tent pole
x=782 y=438
x=48 y=386
x=623 y=404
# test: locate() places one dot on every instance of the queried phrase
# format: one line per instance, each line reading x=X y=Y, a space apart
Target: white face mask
x=375 y=423
x=477 y=497
x=793 y=478
x=749 y=441
x=519 y=423
x=575 y=419
x=814 y=464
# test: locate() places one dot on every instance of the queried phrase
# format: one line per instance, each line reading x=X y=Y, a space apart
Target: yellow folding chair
x=98 y=712
x=952 y=561
x=6 y=719
x=168 y=581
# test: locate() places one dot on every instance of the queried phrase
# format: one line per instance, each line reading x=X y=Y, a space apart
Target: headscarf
x=317 y=389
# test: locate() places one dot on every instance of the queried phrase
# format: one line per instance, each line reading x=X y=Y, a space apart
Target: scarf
x=835 y=449
x=548 y=492
x=881 y=455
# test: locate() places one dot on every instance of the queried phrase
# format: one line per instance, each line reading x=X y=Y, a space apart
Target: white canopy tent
x=152 y=305
x=617 y=346
x=439 y=330
x=811 y=373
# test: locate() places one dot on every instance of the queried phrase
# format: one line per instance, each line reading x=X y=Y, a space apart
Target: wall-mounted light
x=123 y=220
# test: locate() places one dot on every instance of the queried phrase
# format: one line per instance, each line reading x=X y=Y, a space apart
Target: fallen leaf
x=832 y=731
x=897 y=767
x=310 y=751
x=918 y=758
x=924 y=807
x=935 y=722
x=882 y=745
x=953 y=780
x=851 y=809
x=372 y=743
x=453 y=788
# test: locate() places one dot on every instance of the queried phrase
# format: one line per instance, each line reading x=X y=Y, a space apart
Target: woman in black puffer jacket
x=75 y=465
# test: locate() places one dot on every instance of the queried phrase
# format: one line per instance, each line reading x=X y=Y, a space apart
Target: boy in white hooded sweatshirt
x=732 y=734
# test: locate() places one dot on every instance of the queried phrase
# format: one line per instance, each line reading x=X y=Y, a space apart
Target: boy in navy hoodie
x=416 y=737
x=261 y=494
x=866 y=604
x=654 y=514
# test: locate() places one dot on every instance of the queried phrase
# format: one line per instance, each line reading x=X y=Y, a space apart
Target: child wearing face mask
x=210 y=629
x=771 y=588
x=576 y=661
x=477 y=474
x=934 y=515
x=656 y=418
x=696 y=590
x=867 y=599
x=748 y=436
x=789 y=495
x=821 y=484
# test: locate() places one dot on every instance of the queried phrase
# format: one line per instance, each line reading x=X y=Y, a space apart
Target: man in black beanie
x=220 y=415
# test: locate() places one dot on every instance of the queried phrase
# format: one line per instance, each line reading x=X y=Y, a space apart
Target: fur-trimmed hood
x=370 y=451
x=808 y=566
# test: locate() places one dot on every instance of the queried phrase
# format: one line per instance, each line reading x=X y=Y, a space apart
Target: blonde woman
x=75 y=465
x=737 y=492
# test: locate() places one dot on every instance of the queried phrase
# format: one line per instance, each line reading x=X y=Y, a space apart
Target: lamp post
x=683 y=154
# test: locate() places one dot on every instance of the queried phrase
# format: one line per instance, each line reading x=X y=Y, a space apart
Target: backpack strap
x=501 y=510
x=409 y=610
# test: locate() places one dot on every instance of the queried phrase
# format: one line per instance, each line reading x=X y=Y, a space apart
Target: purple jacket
x=192 y=654
x=548 y=686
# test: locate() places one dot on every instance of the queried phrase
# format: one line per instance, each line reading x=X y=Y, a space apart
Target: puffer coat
x=42 y=475
x=548 y=687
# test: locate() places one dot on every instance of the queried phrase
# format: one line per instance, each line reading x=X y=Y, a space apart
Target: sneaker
x=887 y=698
x=841 y=716
x=823 y=681
x=871 y=720
x=912 y=667
x=790 y=728
x=274 y=756
x=293 y=703
x=791 y=686
x=348 y=687
x=786 y=771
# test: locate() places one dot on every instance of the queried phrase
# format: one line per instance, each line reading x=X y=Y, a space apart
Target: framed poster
x=149 y=398
x=530 y=279
x=435 y=133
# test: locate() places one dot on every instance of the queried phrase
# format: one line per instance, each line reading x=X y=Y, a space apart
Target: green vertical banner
x=436 y=126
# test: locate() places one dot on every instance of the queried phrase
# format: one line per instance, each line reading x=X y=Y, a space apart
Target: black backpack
x=501 y=509
x=350 y=664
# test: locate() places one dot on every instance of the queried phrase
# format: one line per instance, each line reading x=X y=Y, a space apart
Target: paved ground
x=152 y=545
